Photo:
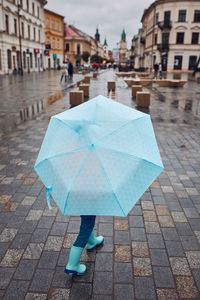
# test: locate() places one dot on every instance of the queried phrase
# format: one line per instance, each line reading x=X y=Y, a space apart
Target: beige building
x=171 y=29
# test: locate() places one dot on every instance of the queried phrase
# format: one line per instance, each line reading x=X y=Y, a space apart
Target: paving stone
x=63 y=255
x=184 y=229
x=50 y=212
x=61 y=218
x=122 y=253
x=196 y=275
x=179 y=266
x=104 y=262
x=12 y=258
x=54 y=243
x=25 y=270
x=121 y=224
x=33 y=251
x=197 y=234
x=163 y=277
x=155 y=241
x=140 y=249
x=162 y=210
x=194 y=223
x=138 y=234
x=34 y=215
x=28 y=200
x=42 y=280
x=179 y=217
x=58 y=229
x=61 y=279
x=193 y=258
x=186 y=287
x=149 y=216
x=166 y=221
x=21 y=241
x=147 y=205
x=159 y=257
x=170 y=234
x=152 y=227
x=22 y=210
x=103 y=283
x=136 y=211
x=5 y=275
x=123 y=272
x=107 y=245
x=81 y=291
x=124 y=291
x=122 y=238
x=35 y=296
x=8 y=234
x=61 y=294
x=190 y=243
x=106 y=229
x=89 y=274
x=168 y=294
x=174 y=248
x=144 y=288
x=69 y=240
x=102 y=297
x=46 y=222
x=16 y=290
x=40 y=235
x=136 y=221
x=142 y=266
x=48 y=260
x=159 y=200
x=191 y=212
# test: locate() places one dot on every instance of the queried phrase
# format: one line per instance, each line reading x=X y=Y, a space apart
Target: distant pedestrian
x=155 y=71
x=70 y=69
x=64 y=71
x=160 y=70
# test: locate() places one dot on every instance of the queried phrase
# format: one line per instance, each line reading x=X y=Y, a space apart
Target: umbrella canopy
x=98 y=158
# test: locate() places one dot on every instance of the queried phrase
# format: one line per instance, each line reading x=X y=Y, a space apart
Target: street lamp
x=19 y=5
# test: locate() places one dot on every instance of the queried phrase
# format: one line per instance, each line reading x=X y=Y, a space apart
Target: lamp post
x=20 y=38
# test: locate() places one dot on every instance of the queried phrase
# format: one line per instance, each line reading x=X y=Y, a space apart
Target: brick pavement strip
x=153 y=253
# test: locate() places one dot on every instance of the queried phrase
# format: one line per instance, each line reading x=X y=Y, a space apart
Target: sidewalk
x=153 y=253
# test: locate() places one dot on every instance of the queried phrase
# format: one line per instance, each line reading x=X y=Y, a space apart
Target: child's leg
x=87 y=225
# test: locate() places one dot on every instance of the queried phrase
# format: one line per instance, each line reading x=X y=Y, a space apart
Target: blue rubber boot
x=73 y=267
x=94 y=241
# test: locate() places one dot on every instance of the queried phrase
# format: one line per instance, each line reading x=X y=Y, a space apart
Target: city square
x=153 y=252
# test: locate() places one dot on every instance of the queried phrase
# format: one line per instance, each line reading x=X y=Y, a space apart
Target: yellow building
x=54 y=39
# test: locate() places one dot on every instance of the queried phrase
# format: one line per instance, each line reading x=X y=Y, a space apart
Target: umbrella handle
x=48 y=189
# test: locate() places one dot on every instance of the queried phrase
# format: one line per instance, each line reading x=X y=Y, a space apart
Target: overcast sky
x=110 y=16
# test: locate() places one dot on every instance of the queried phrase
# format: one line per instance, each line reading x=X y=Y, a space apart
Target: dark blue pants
x=87 y=225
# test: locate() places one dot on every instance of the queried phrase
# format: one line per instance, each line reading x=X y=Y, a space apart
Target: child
x=85 y=237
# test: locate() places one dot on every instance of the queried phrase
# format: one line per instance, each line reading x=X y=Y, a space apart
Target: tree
x=96 y=59
x=85 y=56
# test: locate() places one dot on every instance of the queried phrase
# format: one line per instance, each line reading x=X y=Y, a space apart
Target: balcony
x=142 y=40
x=165 y=25
x=163 y=47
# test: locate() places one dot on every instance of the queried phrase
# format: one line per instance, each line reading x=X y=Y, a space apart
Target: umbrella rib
x=112 y=132
x=61 y=154
x=109 y=182
x=132 y=155
x=75 y=179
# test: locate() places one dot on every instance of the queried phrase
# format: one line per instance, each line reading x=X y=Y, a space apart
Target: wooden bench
x=76 y=97
x=85 y=88
x=135 y=89
x=111 y=85
x=143 y=99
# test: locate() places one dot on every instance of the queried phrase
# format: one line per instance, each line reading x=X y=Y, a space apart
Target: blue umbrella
x=98 y=158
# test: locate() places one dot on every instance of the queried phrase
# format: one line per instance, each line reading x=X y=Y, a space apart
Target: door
x=49 y=63
x=14 y=62
x=164 y=62
x=178 y=62
x=28 y=64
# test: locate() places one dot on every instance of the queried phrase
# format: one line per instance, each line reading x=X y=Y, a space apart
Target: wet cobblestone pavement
x=154 y=253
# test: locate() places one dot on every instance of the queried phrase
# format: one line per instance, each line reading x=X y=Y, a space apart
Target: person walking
x=160 y=70
x=155 y=70
x=86 y=237
x=64 y=71
x=70 y=69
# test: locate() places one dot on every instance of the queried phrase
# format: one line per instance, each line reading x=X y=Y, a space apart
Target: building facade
x=21 y=36
x=171 y=29
x=137 y=51
x=54 y=39
x=123 y=51
x=105 y=49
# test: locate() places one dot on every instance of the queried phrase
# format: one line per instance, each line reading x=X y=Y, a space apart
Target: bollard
x=85 y=88
x=111 y=85
x=135 y=89
x=86 y=80
x=76 y=97
x=198 y=79
x=95 y=75
x=143 y=99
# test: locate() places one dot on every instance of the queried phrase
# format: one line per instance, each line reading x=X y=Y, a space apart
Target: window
x=195 y=38
x=48 y=40
x=33 y=8
x=34 y=35
x=197 y=16
x=22 y=29
x=47 y=22
x=53 y=43
x=31 y=60
x=178 y=62
x=38 y=11
x=38 y=35
x=0 y=59
x=53 y=24
x=155 y=39
x=27 y=5
x=167 y=16
x=67 y=47
x=24 y=59
x=180 y=38
x=78 y=49
x=7 y=24
x=165 y=38
x=182 y=16
x=9 y=59
x=15 y=26
x=29 y=32
x=13 y=1
x=57 y=26
x=157 y=18
x=35 y=60
x=192 y=62
x=58 y=43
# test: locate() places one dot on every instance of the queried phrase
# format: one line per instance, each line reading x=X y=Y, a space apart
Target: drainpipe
x=153 y=35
